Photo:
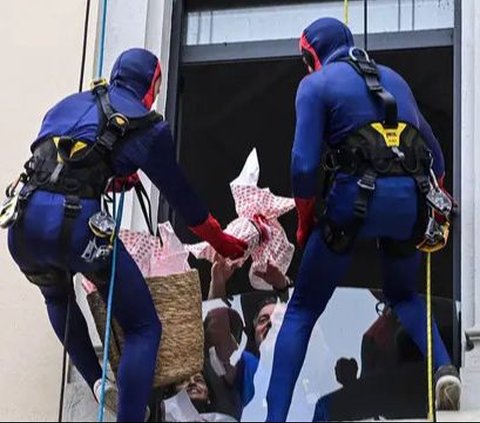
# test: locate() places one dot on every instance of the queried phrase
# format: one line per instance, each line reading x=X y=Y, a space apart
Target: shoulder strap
x=116 y=124
x=145 y=121
x=367 y=68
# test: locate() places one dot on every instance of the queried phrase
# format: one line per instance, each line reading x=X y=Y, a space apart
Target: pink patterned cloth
x=155 y=256
x=258 y=210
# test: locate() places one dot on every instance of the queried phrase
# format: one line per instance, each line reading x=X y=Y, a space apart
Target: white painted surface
x=41 y=45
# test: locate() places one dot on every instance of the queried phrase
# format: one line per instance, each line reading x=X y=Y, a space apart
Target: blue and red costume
x=35 y=245
x=332 y=103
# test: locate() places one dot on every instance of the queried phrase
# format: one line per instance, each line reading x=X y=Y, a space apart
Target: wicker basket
x=178 y=302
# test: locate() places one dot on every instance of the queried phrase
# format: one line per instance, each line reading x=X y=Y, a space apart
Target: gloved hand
x=225 y=244
x=306 y=219
x=122 y=183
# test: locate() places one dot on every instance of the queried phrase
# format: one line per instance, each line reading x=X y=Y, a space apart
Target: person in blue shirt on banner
x=360 y=122
x=86 y=140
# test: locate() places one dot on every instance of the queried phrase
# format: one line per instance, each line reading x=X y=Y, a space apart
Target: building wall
x=470 y=204
x=41 y=47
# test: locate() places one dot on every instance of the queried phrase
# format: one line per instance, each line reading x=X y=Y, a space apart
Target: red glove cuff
x=226 y=245
x=208 y=229
x=124 y=183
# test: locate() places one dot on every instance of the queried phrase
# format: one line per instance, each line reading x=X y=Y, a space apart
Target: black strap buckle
x=99 y=83
x=118 y=124
x=72 y=206
x=374 y=86
x=367 y=181
x=359 y=55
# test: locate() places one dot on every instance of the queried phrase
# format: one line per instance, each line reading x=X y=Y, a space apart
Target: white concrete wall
x=40 y=41
x=470 y=206
x=146 y=24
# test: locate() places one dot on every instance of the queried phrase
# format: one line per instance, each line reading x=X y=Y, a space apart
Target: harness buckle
x=98 y=83
x=367 y=182
x=358 y=54
x=375 y=87
x=72 y=206
x=118 y=124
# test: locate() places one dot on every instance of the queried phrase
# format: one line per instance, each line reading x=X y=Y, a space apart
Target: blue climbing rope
x=117 y=214
x=103 y=34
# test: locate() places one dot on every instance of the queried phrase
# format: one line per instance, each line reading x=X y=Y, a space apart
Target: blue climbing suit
x=34 y=240
x=332 y=103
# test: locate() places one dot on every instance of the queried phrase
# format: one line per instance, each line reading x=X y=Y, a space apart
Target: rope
x=431 y=391
x=84 y=48
x=70 y=297
x=118 y=218
x=365 y=24
x=103 y=33
x=106 y=345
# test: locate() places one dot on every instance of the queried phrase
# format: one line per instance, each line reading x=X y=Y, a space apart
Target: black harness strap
x=368 y=69
x=116 y=124
x=71 y=209
x=340 y=238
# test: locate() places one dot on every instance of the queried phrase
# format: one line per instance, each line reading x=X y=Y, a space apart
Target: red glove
x=306 y=219
x=124 y=183
x=226 y=245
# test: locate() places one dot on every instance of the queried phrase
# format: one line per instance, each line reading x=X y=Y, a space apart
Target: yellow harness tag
x=76 y=147
x=120 y=121
x=390 y=135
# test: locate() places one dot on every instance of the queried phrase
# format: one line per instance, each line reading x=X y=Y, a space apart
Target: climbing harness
x=378 y=149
